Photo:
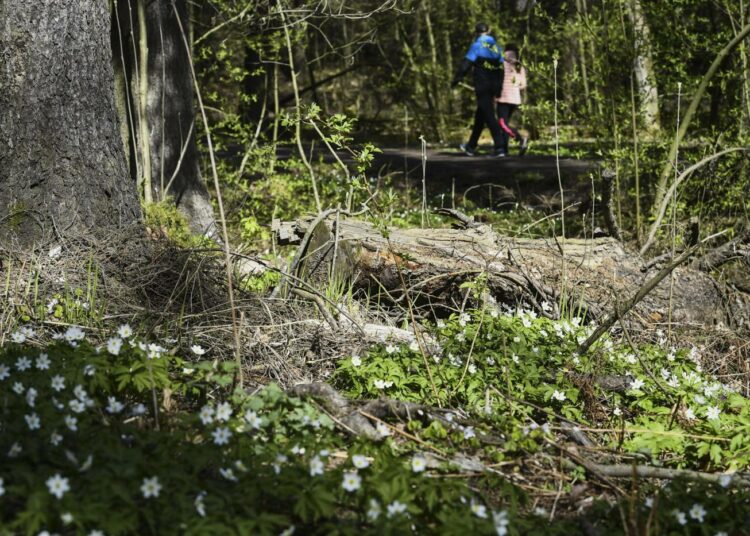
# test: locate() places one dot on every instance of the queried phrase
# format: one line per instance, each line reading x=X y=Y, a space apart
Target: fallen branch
x=467 y=222
x=575 y=433
x=646 y=471
x=321 y=306
x=354 y=414
x=379 y=333
x=576 y=458
x=692 y=237
x=340 y=408
x=630 y=471
x=606 y=382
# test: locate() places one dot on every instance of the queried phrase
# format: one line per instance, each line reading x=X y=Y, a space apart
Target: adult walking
x=514 y=81
x=486 y=57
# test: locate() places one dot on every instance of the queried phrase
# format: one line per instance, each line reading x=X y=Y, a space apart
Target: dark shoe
x=524 y=146
x=468 y=151
x=499 y=153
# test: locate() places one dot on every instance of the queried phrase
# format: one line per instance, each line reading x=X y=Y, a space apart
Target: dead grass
x=175 y=296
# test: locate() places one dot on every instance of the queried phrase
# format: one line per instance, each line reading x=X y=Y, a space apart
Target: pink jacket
x=514 y=81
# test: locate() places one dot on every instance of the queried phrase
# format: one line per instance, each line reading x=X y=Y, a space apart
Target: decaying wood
x=381 y=408
x=339 y=407
x=435 y=264
x=736 y=249
x=351 y=413
x=379 y=333
x=356 y=416
x=607 y=382
x=663 y=473
x=621 y=310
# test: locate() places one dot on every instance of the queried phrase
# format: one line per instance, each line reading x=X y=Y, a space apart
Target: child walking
x=514 y=80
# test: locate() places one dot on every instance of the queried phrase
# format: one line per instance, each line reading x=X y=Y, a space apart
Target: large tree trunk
x=62 y=165
x=435 y=264
x=161 y=106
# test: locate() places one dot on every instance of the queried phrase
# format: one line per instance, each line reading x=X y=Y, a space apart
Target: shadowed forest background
x=251 y=285
x=623 y=71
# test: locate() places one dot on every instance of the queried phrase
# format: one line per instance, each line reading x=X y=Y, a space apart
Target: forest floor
x=337 y=407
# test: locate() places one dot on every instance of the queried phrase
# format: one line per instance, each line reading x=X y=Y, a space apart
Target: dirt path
x=527 y=177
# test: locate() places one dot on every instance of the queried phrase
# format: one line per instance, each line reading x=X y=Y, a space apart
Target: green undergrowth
x=163 y=218
x=79 y=305
x=520 y=379
x=513 y=369
x=121 y=435
x=165 y=221
x=127 y=438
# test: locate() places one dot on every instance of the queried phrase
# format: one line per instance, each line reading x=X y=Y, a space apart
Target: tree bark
x=62 y=163
x=171 y=112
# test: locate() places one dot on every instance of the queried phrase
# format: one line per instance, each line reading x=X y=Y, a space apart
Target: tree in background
x=157 y=107
x=643 y=70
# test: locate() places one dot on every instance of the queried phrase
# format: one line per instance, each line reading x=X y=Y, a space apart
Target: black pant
x=504 y=112
x=485 y=116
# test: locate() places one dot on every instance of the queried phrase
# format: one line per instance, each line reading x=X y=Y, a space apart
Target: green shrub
x=165 y=219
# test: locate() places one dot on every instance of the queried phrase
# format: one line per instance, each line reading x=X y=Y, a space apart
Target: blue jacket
x=486 y=56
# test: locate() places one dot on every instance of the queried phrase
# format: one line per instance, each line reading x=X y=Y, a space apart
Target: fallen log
x=359 y=417
x=378 y=333
x=431 y=267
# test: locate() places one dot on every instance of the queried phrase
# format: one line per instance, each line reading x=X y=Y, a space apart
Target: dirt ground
x=527 y=178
